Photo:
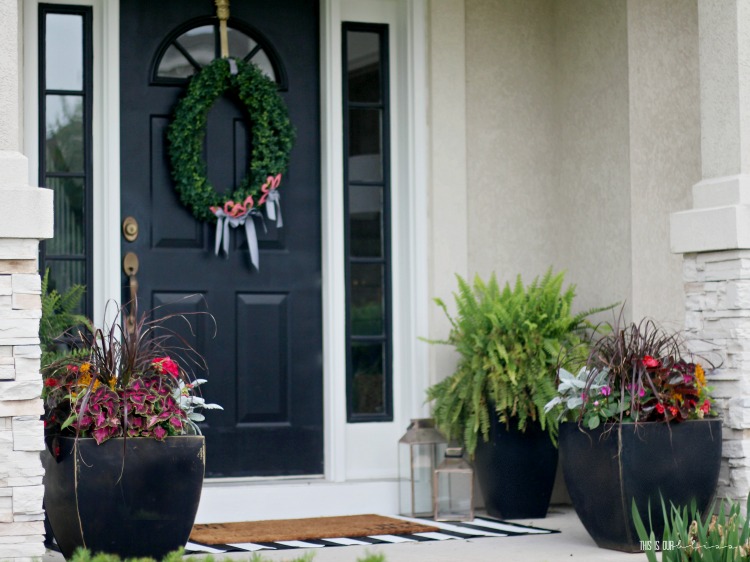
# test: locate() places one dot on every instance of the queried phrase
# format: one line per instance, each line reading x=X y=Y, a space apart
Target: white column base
x=719 y=220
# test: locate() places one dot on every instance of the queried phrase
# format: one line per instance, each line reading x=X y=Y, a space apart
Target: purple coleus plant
x=99 y=414
x=150 y=405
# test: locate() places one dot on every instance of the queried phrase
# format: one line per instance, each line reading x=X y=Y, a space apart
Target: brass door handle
x=130 y=267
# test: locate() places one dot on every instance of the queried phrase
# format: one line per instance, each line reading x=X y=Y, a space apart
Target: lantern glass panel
x=454 y=488
x=419 y=452
x=418 y=464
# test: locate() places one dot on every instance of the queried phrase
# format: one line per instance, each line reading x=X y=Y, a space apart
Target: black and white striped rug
x=479 y=527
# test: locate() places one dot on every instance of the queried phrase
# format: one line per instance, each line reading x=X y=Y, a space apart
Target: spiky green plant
x=511 y=343
x=690 y=536
x=59 y=317
x=83 y=555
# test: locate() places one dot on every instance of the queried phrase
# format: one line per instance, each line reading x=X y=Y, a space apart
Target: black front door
x=265 y=361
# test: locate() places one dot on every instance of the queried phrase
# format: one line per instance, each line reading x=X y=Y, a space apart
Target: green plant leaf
x=593 y=422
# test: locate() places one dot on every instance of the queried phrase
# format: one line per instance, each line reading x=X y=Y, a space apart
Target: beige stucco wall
x=593 y=179
x=665 y=146
x=511 y=137
x=582 y=122
x=9 y=76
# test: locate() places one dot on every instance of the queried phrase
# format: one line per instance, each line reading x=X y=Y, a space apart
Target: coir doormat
x=320 y=532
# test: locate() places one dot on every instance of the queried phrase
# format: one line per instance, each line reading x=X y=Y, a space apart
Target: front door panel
x=265 y=360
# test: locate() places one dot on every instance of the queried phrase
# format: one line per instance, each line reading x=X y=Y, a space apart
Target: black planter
x=605 y=469
x=516 y=471
x=136 y=497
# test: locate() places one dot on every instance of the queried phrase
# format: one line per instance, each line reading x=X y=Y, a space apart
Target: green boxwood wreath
x=271 y=132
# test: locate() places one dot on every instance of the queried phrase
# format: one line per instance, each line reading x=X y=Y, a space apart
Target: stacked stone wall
x=21 y=430
x=717 y=287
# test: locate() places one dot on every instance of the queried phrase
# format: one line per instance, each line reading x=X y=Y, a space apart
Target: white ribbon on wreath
x=235 y=215
x=272 y=199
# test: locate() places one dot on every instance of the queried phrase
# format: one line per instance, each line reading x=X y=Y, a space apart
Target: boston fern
x=510 y=342
x=59 y=319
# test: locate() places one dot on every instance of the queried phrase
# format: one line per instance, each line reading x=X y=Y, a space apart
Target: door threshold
x=226 y=500
x=219 y=480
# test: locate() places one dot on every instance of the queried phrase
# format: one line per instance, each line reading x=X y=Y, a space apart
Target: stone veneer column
x=715 y=235
x=25 y=218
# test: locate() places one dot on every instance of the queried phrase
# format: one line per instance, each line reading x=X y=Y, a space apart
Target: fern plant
x=511 y=342
x=58 y=318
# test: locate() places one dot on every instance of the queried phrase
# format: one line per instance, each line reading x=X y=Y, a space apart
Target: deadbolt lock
x=130 y=229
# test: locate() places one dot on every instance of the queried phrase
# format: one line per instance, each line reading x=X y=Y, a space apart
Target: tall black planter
x=136 y=497
x=516 y=471
x=605 y=469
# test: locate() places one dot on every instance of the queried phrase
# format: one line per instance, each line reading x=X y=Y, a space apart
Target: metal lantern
x=454 y=487
x=418 y=453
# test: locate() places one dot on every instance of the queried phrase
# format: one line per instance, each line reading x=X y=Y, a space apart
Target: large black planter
x=516 y=471
x=135 y=497
x=605 y=469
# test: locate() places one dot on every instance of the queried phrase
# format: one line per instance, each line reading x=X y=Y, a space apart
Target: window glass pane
x=261 y=60
x=366 y=299
x=174 y=64
x=69 y=236
x=63 y=69
x=366 y=221
x=368 y=396
x=66 y=273
x=200 y=42
x=363 y=66
x=365 y=145
x=239 y=43
x=64 y=134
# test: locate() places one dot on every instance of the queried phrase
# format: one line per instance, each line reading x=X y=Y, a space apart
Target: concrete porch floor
x=572 y=543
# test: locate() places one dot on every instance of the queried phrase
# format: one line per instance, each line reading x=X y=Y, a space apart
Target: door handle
x=130 y=267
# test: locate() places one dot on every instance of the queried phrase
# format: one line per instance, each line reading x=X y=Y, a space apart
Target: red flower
x=706 y=407
x=650 y=363
x=673 y=410
x=51 y=383
x=660 y=408
x=166 y=365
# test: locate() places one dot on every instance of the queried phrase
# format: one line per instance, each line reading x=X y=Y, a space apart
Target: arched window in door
x=196 y=43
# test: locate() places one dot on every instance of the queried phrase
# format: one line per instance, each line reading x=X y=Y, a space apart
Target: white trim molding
x=719 y=219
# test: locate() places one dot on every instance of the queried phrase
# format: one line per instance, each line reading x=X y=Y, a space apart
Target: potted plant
x=641 y=429
x=510 y=342
x=124 y=462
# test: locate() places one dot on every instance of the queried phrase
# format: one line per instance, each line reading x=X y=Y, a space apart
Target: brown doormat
x=304 y=529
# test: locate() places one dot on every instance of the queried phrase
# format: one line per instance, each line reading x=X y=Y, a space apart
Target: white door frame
x=362 y=457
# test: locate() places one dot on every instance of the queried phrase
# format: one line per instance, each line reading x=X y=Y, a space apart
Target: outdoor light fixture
x=418 y=453
x=454 y=487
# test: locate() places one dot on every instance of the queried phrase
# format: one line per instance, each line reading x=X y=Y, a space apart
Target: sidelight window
x=367 y=222
x=65 y=167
